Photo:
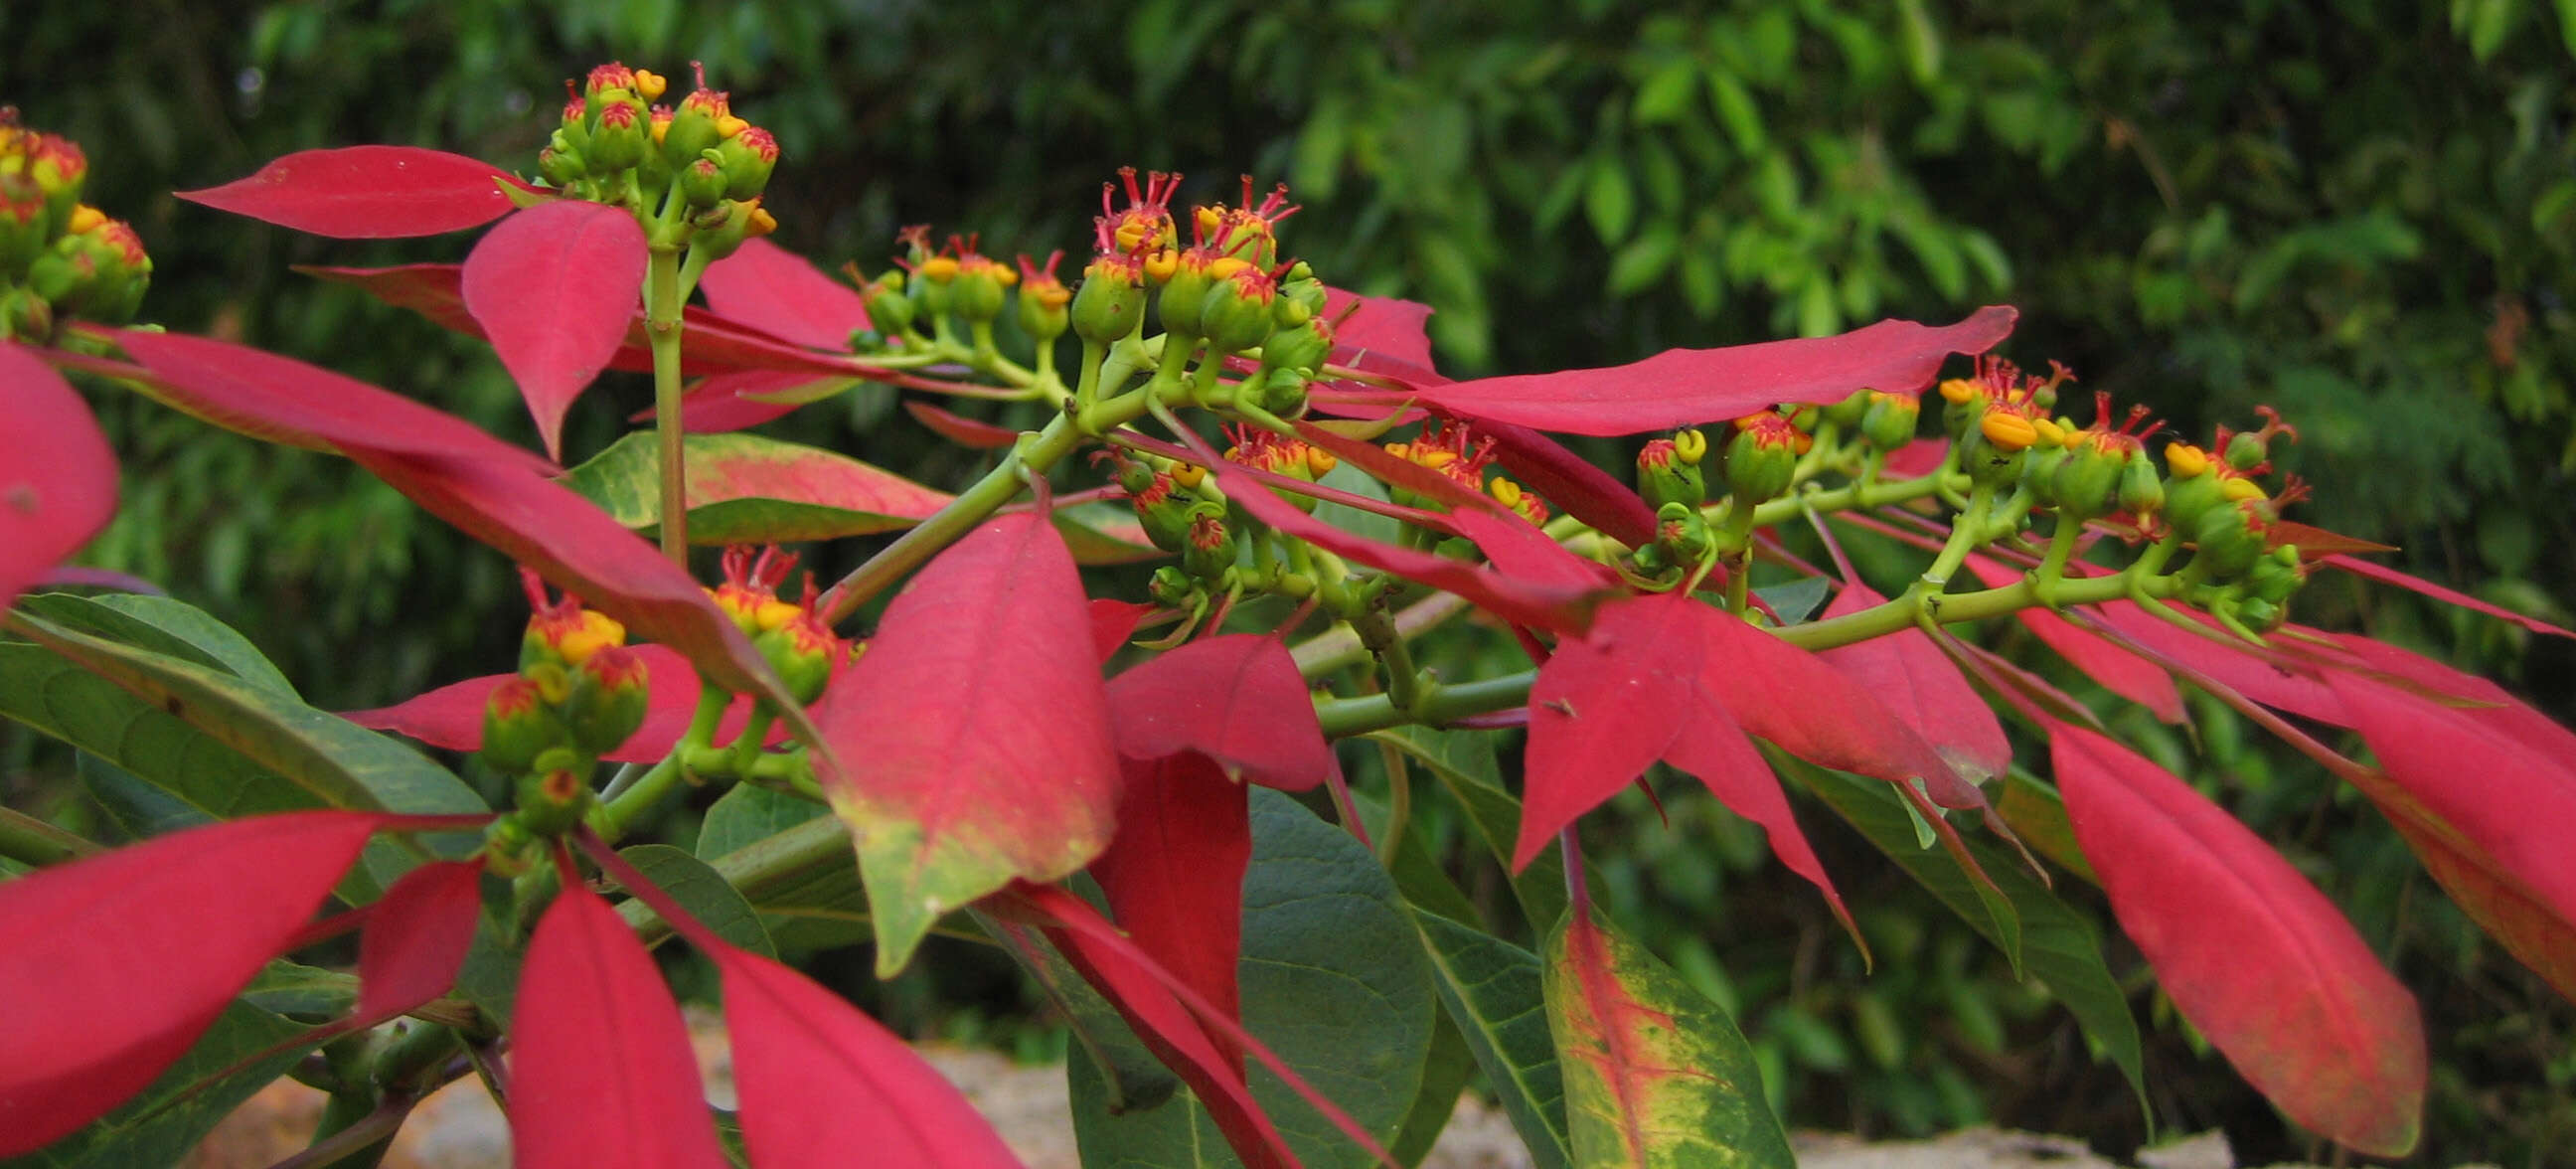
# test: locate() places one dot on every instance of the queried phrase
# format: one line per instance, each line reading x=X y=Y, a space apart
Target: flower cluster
x=59 y=257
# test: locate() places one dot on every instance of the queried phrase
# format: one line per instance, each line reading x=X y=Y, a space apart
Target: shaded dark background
x=2360 y=212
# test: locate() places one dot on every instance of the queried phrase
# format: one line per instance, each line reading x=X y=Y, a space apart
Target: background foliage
x=2363 y=212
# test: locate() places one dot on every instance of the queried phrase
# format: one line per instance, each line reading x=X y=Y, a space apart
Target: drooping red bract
x=2387 y=575
x=767 y=286
x=1237 y=700
x=1687 y=387
x=823 y=1085
x=1634 y=690
x=1919 y=684
x=416 y=937
x=2473 y=785
x=1174 y=873
x=554 y=288
x=282 y=400
x=57 y=475
x=92 y=1004
x=366 y=192
x=740 y=400
x=964 y=431
x=601 y=1072
x=2249 y=951
x=973 y=737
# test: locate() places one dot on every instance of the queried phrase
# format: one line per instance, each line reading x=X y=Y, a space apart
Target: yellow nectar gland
x=1162 y=264
x=1188 y=474
x=1960 y=390
x=1690 y=446
x=2049 y=432
x=762 y=222
x=2240 y=490
x=730 y=126
x=597 y=631
x=1320 y=461
x=1050 y=294
x=84 y=218
x=2009 y=432
x=940 y=268
x=774 y=613
x=2185 y=460
x=650 y=85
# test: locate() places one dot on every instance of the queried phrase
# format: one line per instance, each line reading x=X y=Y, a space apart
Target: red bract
x=823 y=1085
x=973 y=737
x=601 y=1072
x=1381 y=334
x=1920 y=685
x=2386 y=575
x=777 y=290
x=1237 y=700
x=2250 y=952
x=367 y=192
x=92 y=1004
x=1174 y=873
x=1686 y=387
x=1639 y=688
x=734 y=401
x=57 y=476
x=961 y=430
x=415 y=939
x=282 y=400
x=451 y=716
x=554 y=288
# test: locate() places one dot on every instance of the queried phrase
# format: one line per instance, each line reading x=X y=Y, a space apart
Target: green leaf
x=745 y=489
x=165 y=1122
x=1463 y=761
x=1444 y=1075
x=700 y=891
x=816 y=908
x=1346 y=477
x=1796 y=600
x=1889 y=822
x=2059 y=946
x=1333 y=980
x=1495 y=995
x=1610 y=200
x=290 y=988
x=1665 y=94
x=1126 y=1075
x=1737 y=111
x=1644 y=260
x=214 y=642
x=212 y=744
x=1655 y=1074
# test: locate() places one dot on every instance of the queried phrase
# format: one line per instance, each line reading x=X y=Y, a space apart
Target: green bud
x=1663 y=477
x=695 y=127
x=2142 y=491
x=1183 y=303
x=888 y=308
x=2228 y=538
x=804 y=653
x=1283 y=392
x=1890 y=421
x=1111 y=301
x=1303 y=346
x=747 y=159
x=519 y=725
x=2087 y=480
x=2247 y=451
x=702 y=183
x=1208 y=547
x=609 y=697
x=1235 y=313
x=1682 y=535
x=1763 y=458
x=551 y=794
x=1846 y=414
x=623 y=136
x=976 y=294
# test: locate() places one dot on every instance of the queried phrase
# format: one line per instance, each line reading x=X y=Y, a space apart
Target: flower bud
x=1525 y=504
x=551 y=794
x=1183 y=303
x=2231 y=538
x=696 y=126
x=978 y=287
x=1681 y=536
x=1161 y=509
x=1891 y=420
x=619 y=140
x=1847 y=413
x=560 y=165
x=24 y=224
x=1235 y=314
x=1763 y=458
x=1111 y=301
x=1663 y=476
x=1283 y=392
x=747 y=159
x=519 y=725
x=2142 y=491
x=805 y=654
x=58 y=169
x=2248 y=451
x=1043 y=300
x=1303 y=347
x=1209 y=546
x=99 y=272
x=562 y=632
x=888 y=308
x=702 y=183
x=610 y=693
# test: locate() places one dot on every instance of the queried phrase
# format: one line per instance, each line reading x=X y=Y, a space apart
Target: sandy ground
x=460 y=1128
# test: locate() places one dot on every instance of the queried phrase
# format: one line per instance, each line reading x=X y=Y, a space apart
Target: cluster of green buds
x=2086 y=473
x=1993 y=418
x=695 y=171
x=2242 y=572
x=1462 y=456
x=791 y=634
x=58 y=256
x=1671 y=478
x=579 y=693
x=1183 y=514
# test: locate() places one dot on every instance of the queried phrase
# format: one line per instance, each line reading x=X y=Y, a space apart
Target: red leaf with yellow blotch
x=554 y=288
x=1236 y=699
x=1636 y=689
x=778 y=291
x=282 y=400
x=824 y=1085
x=1174 y=873
x=1687 y=387
x=2117 y=670
x=1656 y=1075
x=57 y=475
x=601 y=1072
x=578 y=548
x=2386 y=575
x=416 y=937
x=1919 y=684
x=2248 y=950
x=367 y=192
x=974 y=736
x=451 y=717
x=95 y=1004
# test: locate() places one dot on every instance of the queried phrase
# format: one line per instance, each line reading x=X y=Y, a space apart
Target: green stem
x=662 y=296
x=1399 y=803
x=1966 y=533
x=648 y=789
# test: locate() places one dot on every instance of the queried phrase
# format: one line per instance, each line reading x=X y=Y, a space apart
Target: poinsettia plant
x=1256 y=956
